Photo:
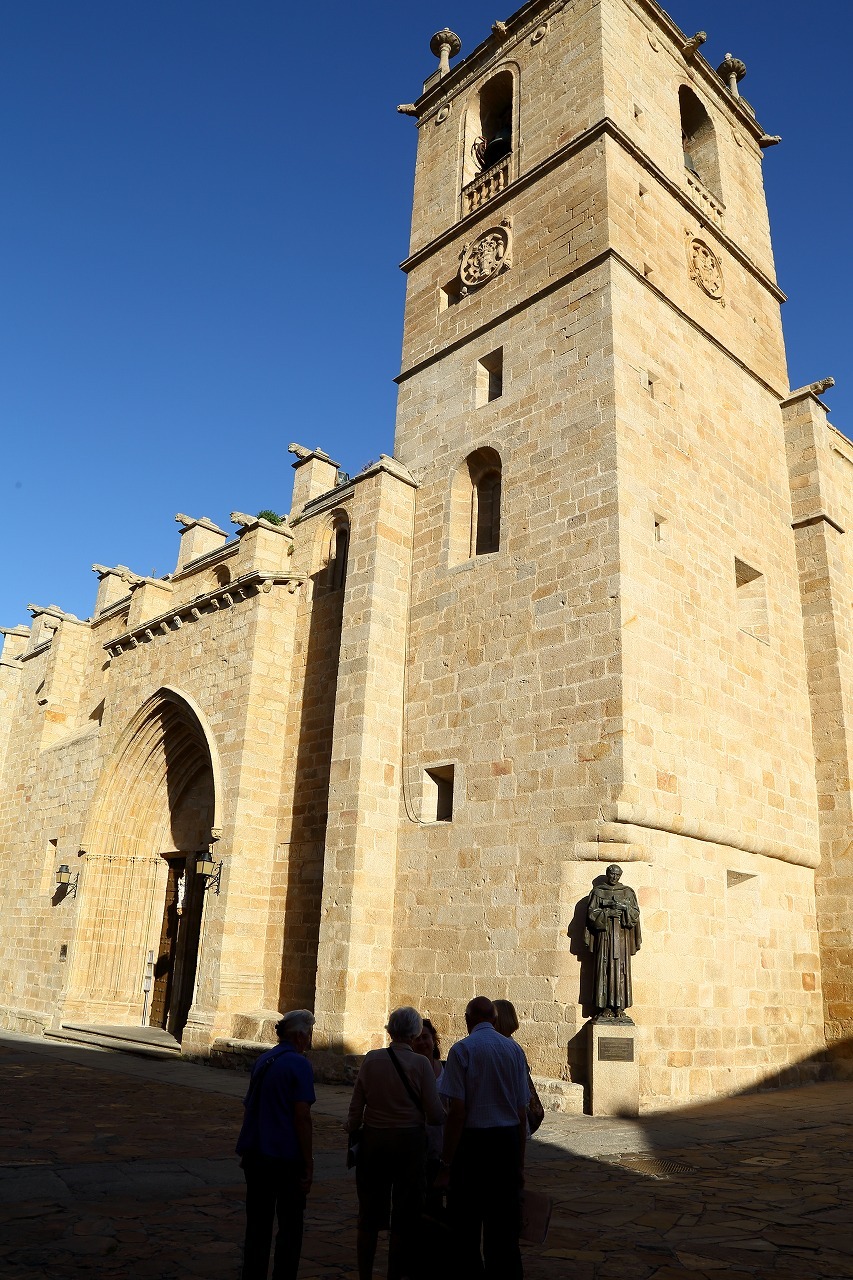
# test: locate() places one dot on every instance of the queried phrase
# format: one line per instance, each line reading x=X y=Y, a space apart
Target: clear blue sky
x=204 y=205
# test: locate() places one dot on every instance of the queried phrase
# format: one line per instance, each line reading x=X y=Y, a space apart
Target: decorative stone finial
x=823 y=385
x=445 y=45
x=769 y=140
x=732 y=70
x=407 y=109
x=499 y=29
x=690 y=48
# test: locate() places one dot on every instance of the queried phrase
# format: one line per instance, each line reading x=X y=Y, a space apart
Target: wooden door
x=164 y=963
x=186 y=952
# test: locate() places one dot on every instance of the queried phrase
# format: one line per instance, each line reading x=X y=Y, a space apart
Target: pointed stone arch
x=167 y=743
x=157 y=804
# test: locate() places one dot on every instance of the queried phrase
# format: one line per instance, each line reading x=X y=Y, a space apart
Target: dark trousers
x=484 y=1202
x=389 y=1177
x=273 y=1187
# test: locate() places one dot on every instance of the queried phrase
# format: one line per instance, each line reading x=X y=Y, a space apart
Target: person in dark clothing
x=275 y=1146
x=485 y=1084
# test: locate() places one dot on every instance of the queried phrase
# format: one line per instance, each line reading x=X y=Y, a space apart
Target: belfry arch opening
x=489 y=125
x=698 y=141
x=141 y=898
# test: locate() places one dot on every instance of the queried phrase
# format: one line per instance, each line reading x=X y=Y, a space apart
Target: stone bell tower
x=605 y=659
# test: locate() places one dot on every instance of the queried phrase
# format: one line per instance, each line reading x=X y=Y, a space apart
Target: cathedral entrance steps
x=148 y=1042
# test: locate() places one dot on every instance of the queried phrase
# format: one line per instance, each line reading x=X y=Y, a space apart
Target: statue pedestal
x=614 y=1070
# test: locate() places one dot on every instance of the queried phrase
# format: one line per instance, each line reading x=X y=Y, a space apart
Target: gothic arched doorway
x=137 y=945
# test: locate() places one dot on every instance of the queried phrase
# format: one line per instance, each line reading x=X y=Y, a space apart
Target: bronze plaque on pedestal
x=615 y=1049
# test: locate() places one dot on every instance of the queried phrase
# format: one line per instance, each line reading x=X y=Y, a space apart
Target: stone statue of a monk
x=613 y=934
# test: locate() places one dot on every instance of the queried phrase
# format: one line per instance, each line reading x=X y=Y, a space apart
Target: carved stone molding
x=489 y=254
x=212 y=602
x=514 y=35
x=705 y=268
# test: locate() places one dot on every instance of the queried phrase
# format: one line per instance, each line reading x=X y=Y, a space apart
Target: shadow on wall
x=304 y=891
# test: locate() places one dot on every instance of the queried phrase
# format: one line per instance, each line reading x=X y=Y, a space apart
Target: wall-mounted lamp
x=64 y=880
x=211 y=870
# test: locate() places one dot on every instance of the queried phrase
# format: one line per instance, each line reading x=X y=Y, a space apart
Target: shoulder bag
x=535 y=1110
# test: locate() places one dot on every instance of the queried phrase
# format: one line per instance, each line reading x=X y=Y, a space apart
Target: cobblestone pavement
x=117 y=1166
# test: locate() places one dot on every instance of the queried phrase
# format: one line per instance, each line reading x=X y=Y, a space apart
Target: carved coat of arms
x=486 y=256
x=705 y=268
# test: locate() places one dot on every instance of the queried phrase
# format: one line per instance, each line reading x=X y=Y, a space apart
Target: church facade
x=593 y=610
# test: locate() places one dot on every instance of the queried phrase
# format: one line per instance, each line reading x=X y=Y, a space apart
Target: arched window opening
x=494 y=141
x=222 y=575
x=475 y=516
x=698 y=141
x=339 y=550
x=489 y=141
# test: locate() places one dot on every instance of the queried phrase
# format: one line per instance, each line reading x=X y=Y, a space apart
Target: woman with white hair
x=395 y=1097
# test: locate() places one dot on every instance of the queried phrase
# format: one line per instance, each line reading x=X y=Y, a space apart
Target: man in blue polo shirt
x=486 y=1086
x=275 y=1145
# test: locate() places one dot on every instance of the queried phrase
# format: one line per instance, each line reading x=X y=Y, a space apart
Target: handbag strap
x=409 y=1090
x=254 y=1090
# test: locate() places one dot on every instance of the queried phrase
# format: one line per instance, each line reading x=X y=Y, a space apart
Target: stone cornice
x=820 y=517
x=694 y=324
x=492 y=50
x=325 y=501
x=53 y=611
x=392 y=466
x=712 y=78
x=622 y=821
x=225 y=597
x=207 y=560
x=811 y=391
x=39 y=648
x=609 y=128
x=112 y=611
x=554 y=286
x=495 y=49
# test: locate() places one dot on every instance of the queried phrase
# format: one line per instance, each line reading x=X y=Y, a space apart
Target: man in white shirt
x=485 y=1084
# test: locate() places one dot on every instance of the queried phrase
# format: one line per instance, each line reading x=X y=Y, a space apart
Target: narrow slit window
x=340 y=551
x=751 y=593
x=490 y=377
x=438 y=793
